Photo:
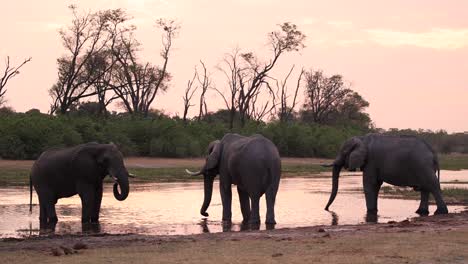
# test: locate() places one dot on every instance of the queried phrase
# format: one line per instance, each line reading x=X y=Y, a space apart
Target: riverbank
x=16 y=172
x=433 y=239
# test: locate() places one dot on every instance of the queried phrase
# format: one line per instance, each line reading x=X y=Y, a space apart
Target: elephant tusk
x=193 y=173
x=131 y=175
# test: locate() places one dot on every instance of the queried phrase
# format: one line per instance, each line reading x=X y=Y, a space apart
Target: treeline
x=441 y=141
x=26 y=135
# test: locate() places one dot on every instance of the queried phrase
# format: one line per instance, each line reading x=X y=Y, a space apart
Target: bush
x=27 y=135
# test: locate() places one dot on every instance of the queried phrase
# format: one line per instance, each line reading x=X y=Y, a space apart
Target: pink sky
x=409 y=59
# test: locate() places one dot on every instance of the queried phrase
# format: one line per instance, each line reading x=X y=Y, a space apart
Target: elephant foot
x=443 y=210
x=254 y=226
x=422 y=211
x=270 y=226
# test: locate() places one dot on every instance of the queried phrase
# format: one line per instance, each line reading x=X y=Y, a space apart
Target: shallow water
x=173 y=208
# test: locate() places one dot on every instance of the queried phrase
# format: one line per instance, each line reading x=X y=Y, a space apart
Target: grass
x=13 y=176
x=452 y=195
x=453 y=161
x=20 y=176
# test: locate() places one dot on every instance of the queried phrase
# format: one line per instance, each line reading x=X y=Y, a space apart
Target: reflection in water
x=168 y=209
x=204 y=224
x=335 y=218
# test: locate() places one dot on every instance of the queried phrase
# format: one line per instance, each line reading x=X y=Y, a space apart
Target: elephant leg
x=42 y=213
x=371 y=191
x=87 y=196
x=244 y=204
x=424 y=205
x=226 y=199
x=441 y=206
x=255 y=213
x=270 y=197
x=51 y=214
x=97 y=205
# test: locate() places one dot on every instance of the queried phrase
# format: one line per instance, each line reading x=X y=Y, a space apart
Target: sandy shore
x=434 y=239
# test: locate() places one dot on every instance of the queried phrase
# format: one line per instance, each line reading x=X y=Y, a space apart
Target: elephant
x=253 y=164
x=397 y=160
x=64 y=172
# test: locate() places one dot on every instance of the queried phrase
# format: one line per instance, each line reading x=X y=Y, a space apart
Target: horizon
x=411 y=58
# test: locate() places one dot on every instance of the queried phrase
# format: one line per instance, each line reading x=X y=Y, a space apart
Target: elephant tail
x=30 y=194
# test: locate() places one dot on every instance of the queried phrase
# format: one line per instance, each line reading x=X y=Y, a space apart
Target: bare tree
x=137 y=84
x=286 y=110
x=8 y=73
x=323 y=95
x=205 y=83
x=250 y=75
x=231 y=68
x=103 y=66
x=88 y=35
x=188 y=95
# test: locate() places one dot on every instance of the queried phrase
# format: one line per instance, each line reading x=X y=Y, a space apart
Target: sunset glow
x=408 y=59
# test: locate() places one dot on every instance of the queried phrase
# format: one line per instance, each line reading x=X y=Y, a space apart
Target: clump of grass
x=453 y=161
x=302 y=170
x=13 y=177
x=451 y=195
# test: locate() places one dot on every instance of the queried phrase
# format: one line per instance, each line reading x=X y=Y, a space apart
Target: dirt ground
x=142 y=162
x=434 y=239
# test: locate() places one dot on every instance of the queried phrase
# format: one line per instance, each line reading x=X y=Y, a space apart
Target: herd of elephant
x=251 y=163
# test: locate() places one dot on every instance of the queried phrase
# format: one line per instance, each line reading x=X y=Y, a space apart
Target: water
x=173 y=208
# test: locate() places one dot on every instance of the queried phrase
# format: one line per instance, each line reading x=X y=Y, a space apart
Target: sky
x=409 y=59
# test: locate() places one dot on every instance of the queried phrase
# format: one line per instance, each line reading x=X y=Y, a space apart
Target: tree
x=286 y=110
x=247 y=75
x=330 y=101
x=232 y=69
x=8 y=73
x=87 y=36
x=188 y=96
x=135 y=83
x=101 y=66
x=205 y=83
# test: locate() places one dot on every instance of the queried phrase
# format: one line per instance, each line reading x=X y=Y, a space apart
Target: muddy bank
x=440 y=239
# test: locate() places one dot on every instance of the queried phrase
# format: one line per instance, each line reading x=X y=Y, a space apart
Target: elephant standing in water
x=59 y=173
x=253 y=164
x=397 y=160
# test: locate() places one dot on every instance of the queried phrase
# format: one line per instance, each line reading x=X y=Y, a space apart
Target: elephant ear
x=214 y=150
x=88 y=151
x=358 y=155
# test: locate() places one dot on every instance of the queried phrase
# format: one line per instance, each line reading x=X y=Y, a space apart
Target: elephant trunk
x=122 y=182
x=336 y=174
x=208 y=186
